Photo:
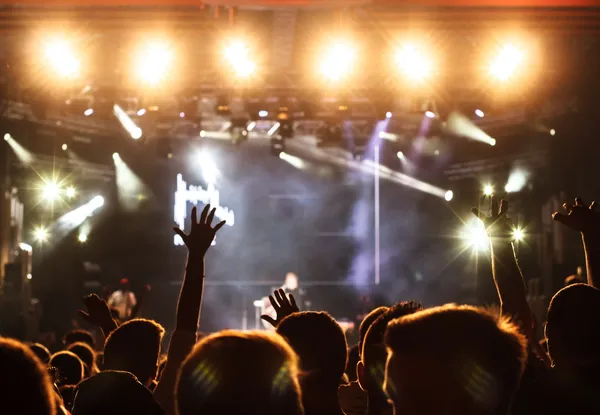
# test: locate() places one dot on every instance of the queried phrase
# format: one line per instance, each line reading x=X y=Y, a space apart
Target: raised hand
x=282 y=305
x=98 y=313
x=202 y=233
x=496 y=224
x=579 y=217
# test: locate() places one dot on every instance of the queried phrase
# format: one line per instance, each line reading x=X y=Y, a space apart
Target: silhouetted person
x=41 y=352
x=135 y=347
x=453 y=360
x=123 y=300
x=234 y=372
x=365 y=324
x=79 y=335
x=25 y=385
x=87 y=356
x=114 y=393
x=371 y=368
x=70 y=368
x=321 y=346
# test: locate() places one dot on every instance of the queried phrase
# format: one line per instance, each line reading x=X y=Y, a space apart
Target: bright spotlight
x=237 y=55
x=462 y=126
x=518 y=235
x=388 y=115
x=414 y=65
x=71 y=192
x=553 y=132
x=154 y=62
x=263 y=113
x=429 y=114
x=338 y=61
x=475 y=235
x=7 y=137
x=40 y=234
x=516 y=181
x=293 y=160
x=506 y=63
x=492 y=142
x=50 y=191
x=116 y=157
x=400 y=155
x=131 y=127
x=488 y=190
x=449 y=195
x=96 y=203
x=61 y=57
x=210 y=172
x=82 y=237
x=479 y=113
x=29 y=276
x=88 y=112
x=64 y=147
x=141 y=112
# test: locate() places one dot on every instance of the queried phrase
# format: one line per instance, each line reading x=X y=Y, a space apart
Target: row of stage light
x=155 y=61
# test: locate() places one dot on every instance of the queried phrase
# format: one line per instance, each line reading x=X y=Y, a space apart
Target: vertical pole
x=376 y=202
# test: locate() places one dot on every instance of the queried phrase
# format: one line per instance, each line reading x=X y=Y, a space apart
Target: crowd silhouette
x=409 y=360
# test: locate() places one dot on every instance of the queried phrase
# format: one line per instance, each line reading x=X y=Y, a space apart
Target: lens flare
x=413 y=63
x=61 y=57
x=154 y=61
x=338 y=62
x=506 y=63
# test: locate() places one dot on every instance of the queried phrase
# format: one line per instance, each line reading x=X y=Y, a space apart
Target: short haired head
x=573 y=326
x=320 y=344
x=366 y=323
x=41 y=352
x=135 y=347
x=475 y=370
x=78 y=335
x=23 y=375
x=70 y=367
x=124 y=283
x=115 y=393
x=87 y=356
x=371 y=368
x=234 y=372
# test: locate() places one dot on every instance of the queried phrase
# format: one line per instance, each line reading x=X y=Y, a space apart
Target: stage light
x=202 y=133
x=116 y=157
x=154 y=61
x=29 y=276
x=492 y=142
x=141 y=112
x=25 y=247
x=274 y=128
x=506 y=62
x=7 y=137
x=436 y=152
x=263 y=113
x=293 y=160
x=388 y=115
x=131 y=127
x=71 y=192
x=462 y=126
x=488 y=190
x=50 y=191
x=338 y=61
x=400 y=155
x=553 y=132
x=475 y=235
x=61 y=57
x=516 y=181
x=449 y=195
x=88 y=112
x=64 y=147
x=40 y=234
x=82 y=237
x=210 y=172
x=237 y=55
x=518 y=235
x=251 y=126
x=414 y=65
x=479 y=113
x=429 y=114
x=182 y=115
x=96 y=203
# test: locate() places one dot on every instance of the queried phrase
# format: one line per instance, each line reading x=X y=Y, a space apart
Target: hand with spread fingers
x=282 y=305
x=579 y=217
x=497 y=223
x=202 y=233
x=98 y=313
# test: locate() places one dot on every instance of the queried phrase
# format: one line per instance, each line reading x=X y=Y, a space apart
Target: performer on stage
x=123 y=300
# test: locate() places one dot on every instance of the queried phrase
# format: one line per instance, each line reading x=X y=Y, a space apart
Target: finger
x=567 y=207
x=219 y=225
x=579 y=202
x=477 y=213
x=293 y=302
x=593 y=205
x=204 y=214
x=503 y=207
x=273 y=303
x=194 y=215
x=211 y=216
x=84 y=315
x=179 y=232
x=269 y=320
x=494 y=206
x=279 y=297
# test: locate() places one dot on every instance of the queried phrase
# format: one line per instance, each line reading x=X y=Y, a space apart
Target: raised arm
x=98 y=313
x=188 y=307
x=587 y=222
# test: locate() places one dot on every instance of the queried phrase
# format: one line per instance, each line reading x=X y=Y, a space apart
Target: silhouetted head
x=124 y=284
x=573 y=327
x=87 y=356
x=366 y=323
x=70 y=367
x=79 y=335
x=234 y=372
x=25 y=385
x=371 y=368
x=41 y=352
x=475 y=370
x=320 y=343
x=135 y=347
x=115 y=393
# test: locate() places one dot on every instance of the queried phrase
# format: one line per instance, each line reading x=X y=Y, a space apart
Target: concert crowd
x=409 y=360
